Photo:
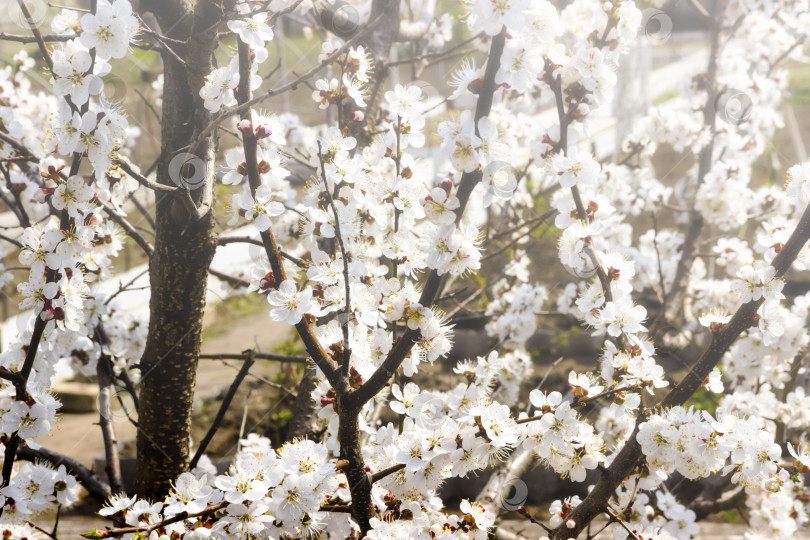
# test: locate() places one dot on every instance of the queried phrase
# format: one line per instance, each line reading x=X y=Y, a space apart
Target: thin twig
x=105 y=385
x=225 y=240
x=37 y=34
x=347 y=351
x=376 y=477
x=147 y=530
x=266 y=381
x=242 y=107
x=32 y=39
x=142 y=180
x=614 y=516
x=379 y=379
x=226 y=402
x=257 y=356
x=97 y=488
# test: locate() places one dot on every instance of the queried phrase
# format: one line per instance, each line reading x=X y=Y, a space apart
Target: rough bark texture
x=184 y=248
x=359 y=481
x=303 y=420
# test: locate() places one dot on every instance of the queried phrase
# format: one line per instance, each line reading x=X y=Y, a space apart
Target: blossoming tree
x=369 y=259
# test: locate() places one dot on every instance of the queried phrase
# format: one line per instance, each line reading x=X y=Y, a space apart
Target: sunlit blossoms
x=473 y=283
x=110 y=29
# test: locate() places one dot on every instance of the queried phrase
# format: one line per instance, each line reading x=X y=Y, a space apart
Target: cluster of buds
x=245 y=127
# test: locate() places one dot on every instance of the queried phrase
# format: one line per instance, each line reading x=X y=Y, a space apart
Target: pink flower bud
x=246 y=127
x=263 y=131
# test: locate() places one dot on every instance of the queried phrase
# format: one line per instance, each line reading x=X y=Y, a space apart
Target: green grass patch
x=291 y=347
x=665 y=96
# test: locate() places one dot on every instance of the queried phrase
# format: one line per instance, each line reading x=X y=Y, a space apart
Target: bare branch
x=242 y=107
x=94 y=486
x=147 y=530
x=256 y=355
x=226 y=403
x=32 y=39
x=37 y=34
x=142 y=180
x=703 y=508
x=105 y=385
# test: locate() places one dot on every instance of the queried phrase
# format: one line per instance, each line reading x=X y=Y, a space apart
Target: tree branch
x=403 y=347
x=257 y=356
x=94 y=486
x=226 y=402
x=105 y=386
x=249 y=143
x=629 y=455
x=142 y=180
x=182 y=516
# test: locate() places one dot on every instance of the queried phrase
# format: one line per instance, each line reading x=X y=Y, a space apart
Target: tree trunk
x=184 y=248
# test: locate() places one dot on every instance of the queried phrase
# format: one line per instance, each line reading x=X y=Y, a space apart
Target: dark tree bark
x=184 y=246
x=303 y=420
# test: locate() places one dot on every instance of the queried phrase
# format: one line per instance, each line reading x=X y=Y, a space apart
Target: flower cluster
x=375 y=225
x=37 y=488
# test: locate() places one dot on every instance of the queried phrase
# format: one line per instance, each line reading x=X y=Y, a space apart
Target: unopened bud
x=246 y=127
x=269 y=280
x=263 y=131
